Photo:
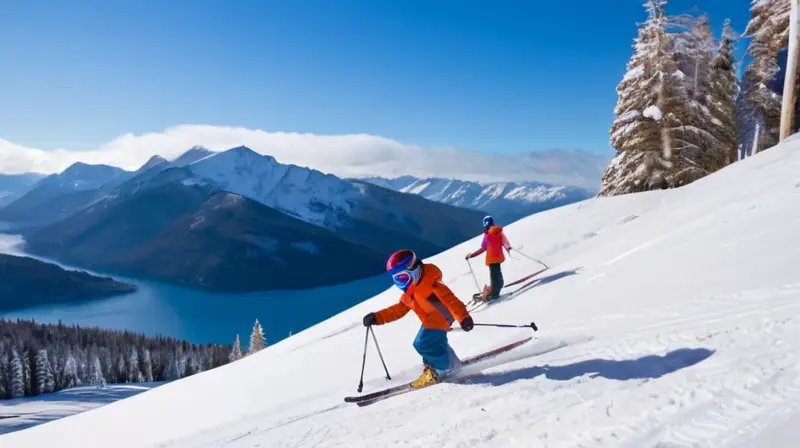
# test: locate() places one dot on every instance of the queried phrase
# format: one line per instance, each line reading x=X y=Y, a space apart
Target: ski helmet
x=488 y=221
x=404 y=267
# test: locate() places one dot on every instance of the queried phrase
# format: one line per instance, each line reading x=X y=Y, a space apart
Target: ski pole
x=388 y=377
x=530 y=325
x=474 y=277
x=363 y=361
x=532 y=259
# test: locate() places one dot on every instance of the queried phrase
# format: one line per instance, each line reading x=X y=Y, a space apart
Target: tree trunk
x=790 y=83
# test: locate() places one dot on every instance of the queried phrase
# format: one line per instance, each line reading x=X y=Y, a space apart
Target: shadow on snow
x=647 y=367
x=533 y=283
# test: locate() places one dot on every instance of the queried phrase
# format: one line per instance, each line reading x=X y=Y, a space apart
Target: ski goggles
x=404 y=277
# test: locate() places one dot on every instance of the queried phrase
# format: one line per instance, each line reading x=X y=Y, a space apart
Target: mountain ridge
x=505 y=201
x=135 y=229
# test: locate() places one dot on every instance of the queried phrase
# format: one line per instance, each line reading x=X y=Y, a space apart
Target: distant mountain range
x=229 y=221
x=57 y=196
x=12 y=186
x=505 y=201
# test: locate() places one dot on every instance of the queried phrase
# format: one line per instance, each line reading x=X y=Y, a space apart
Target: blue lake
x=201 y=317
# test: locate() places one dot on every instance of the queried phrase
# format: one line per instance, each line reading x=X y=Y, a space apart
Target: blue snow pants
x=432 y=345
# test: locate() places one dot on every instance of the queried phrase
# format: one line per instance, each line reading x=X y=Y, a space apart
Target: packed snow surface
x=20 y=413
x=682 y=308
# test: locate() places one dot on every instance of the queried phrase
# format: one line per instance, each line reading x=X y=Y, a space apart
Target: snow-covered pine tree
x=5 y=371
x=45 y=382
x=147 y=365
x=775 y=11
x=257 y=339
x=759 y=104
x=27 y=372
x=17 y=384
x=172 y=370
x=723 y=86
x=122 y=369
x=236 y=350
x=648 y=108
x=97 y=379
x=696 y=148
x=134 y=374
x=694 y=49
x=70 y=377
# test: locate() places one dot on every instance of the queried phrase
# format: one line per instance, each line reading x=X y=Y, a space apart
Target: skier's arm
x=453 y=304
x=391 y=314
x=479 y=251
x=506 y=244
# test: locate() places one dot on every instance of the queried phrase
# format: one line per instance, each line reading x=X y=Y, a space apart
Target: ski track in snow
x=691 y=298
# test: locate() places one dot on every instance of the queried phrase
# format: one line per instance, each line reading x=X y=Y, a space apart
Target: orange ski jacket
x=494 y=240
x=433 y=302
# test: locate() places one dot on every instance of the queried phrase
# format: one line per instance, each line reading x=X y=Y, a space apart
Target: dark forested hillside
x=42 y=358
x=27 y=282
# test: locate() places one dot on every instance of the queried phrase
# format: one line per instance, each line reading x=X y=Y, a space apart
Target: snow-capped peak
x=298 y=191
x=82 y=176
x=153 y=162
x=192 y=155
x=507 y=201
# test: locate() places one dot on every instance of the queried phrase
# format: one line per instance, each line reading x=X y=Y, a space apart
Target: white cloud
x=352 y=155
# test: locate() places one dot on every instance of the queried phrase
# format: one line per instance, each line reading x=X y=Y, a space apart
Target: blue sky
x=499 y=76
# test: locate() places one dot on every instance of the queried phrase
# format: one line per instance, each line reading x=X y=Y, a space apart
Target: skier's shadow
x=646 y=367
x=550 y=279
x=537 y=282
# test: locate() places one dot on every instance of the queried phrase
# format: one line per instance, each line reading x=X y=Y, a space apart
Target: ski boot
x=429 y=377
x=486 y=295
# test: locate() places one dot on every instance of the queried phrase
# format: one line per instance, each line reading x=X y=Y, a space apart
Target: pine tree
x=134 y=374
x=147 y=365
x=236 y=350
x=122 y=370
x=27 y=372
x=257 y=340
x=770 y=17
x=723 y=90
x=97 y=378
x=648 y=109
x=5 y=372
x=696 y=147
x=70 y=373
x=17 y=386
x=45 y=382
x=759 y=104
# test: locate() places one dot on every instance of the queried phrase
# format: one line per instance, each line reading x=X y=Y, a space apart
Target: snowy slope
x=506 y=201
x=691 y=298
x=20 y=413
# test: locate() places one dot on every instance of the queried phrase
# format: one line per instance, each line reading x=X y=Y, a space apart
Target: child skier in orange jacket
x=494 y=241
x=436 y=307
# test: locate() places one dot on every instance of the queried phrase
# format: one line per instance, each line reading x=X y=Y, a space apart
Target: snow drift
x=690 y=298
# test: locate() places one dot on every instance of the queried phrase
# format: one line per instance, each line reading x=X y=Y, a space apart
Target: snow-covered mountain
x=147 y=226
x=12 y=186
x=676 y=311
x=506 y=201
x=58 y=195
x=192 y=155
x=301 y=192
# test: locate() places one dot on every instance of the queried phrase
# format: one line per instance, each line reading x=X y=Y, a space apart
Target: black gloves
x=467 y=324
x=369 y=319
